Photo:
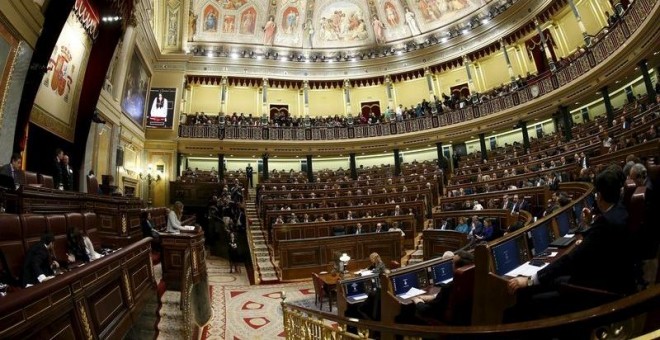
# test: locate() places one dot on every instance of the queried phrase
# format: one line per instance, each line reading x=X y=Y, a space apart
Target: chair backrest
x=33 y=225
x=92 y=185
x=57 y=226
x=11 y=246
x=46 y=181
x=628 y=189
x=91 y=228
x=30 y=178
x=318 y=285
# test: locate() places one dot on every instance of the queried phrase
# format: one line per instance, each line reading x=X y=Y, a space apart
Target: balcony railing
x=606 y=45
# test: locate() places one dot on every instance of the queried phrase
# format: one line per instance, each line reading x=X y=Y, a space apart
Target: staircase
x=263 y=257
x=171 y=318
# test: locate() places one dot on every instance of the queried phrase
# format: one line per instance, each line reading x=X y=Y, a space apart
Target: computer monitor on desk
x=359 y=289
x=443 y=272
x=541 y=236
x=404 y=282
x=507 y=255
x=563 y=223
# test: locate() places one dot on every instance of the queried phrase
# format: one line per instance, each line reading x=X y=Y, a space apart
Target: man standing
x=67 y=173
x=57 y=169
x=12 y=169
x=248 y=173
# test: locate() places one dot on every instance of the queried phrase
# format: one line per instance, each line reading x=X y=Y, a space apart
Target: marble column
x=544 y=45
x=351 y=161
x=310 y=171
x=609 y=109
x=482 y=144
x=644 y=68
x=525 y=134
x=397 y=162
x=221 y=167
x=508 y=60
x=576 y=13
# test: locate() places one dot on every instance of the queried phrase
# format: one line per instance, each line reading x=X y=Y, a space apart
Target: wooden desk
x=173 y=250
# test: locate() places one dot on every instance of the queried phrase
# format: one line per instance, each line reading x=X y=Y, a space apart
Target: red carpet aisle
x=241 y=311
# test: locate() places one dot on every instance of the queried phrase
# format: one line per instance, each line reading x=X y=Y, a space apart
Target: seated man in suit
x=12 y=168
x=39 y=265
x=603 y=261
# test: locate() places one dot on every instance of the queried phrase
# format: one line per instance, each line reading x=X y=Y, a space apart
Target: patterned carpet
x=242 y=311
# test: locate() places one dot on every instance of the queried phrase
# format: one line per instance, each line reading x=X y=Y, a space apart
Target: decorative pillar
x=223 y=94
x=306 y=97
x=576 y=13
x=566 y=117
x=544 y=45
x=429 y=83
x=442 y=162
x=397 y=162
x=525 y=134
x=264 y=160
x=466 y=62
x=264 y=97
x=388 y=88
x=351 y=162
x=508 y=61
x=310 y=171
x=128 y=42
x=482 y=144
x=347 y=96
x=221 y=167
x=609 y=109
x=179 y=162
x=644 y=68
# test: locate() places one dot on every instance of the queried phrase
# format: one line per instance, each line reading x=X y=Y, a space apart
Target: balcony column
x=576 y=13
x=482 y=144
x=306 y=97
x=467 y=63
x=310 y=171
x=347 y=96
x=125 y=55
x=508 y=61
x=650 y=91
x=429 y=83
x=441 y=157
x=221 y=167
x=544 y=45
x=609 y=109
x=566 y=117
x=397 y=162
x=264 y=97
x=179 y=162
x=525 y=134
x=351 y=162
x=223 y=94
x=264 y=160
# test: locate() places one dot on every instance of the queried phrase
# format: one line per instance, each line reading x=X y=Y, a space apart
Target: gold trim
x=127 y=287
x=85 y=321
x=124 y=224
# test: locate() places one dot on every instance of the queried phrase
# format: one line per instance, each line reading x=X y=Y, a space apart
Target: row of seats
x=19 y=232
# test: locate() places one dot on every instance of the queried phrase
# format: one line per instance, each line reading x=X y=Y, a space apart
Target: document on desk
x=358 y=297
x=525 y=270
x=363 y=272
x=412 y=293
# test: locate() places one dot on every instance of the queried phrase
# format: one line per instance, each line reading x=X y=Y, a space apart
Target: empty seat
x=92 y=185
x=30 y=178
x=75 y=221
x=628 y=189
x=46 y=181
x=12 y=248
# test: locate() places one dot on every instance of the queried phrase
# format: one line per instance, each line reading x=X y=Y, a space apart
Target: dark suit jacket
x=57 y=174
x=37 y=262
x=5 y=170
x=603 y=260
x=67 y=178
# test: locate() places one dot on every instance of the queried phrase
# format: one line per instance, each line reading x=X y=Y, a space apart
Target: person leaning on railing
x=174 y=219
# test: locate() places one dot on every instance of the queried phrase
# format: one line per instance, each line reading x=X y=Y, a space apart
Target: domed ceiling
x=323 y=24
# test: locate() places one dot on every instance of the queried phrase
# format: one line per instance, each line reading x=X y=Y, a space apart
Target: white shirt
x=174 y=225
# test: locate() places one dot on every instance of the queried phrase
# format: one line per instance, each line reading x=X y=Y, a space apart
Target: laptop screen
x=541 y=238
x=577 y=210
x=355 y=288
x=404 y=282
x=442 y=271
x=564 y=223
x=506 y=256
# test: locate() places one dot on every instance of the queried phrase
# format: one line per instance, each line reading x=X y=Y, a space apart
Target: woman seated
x=174 y=219
x=148 y=229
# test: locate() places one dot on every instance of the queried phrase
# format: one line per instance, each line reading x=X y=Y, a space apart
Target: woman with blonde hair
x=174 y=219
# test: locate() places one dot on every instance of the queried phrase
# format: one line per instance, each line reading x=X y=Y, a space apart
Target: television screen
x=443 y=272
x=564 y=223
x=541 y=238
x=506 y=256
x=402 y=283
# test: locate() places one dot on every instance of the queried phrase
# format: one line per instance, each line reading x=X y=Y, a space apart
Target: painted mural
x=320 y=23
